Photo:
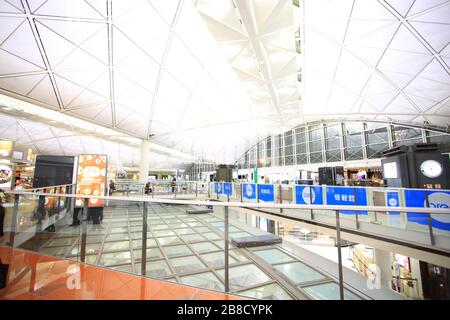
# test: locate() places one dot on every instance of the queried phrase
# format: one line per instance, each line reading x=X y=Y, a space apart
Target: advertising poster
x=6 y=176
x=308 y=195
x=347 y=196
x=249 y=191
x=436 y=199
x=392 y=200
x=266 y=193
x=91 y=178
x=227 y=188
x=218 y=187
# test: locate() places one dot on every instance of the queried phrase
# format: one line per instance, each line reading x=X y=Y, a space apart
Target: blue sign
x=436 y=199
x=308 y=195
x=347 y=196
x=218 y=187
x=227 y=188
x=266 y=193
x=249 y=191
x=392 y=200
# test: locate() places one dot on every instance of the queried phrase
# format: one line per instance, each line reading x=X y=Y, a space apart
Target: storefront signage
x=266 y=193
x=249 y=191
x=6 y=176
x=347 y=196
x=308 y=195
x=91 y=177
x=436 y=199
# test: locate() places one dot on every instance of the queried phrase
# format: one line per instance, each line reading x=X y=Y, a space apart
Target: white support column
x=383 y=262
x=144 y=161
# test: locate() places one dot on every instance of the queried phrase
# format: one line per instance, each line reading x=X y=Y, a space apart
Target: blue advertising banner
x=347 y=196
x=392 y=200
x=266 y=193
x=249 y=191
x=218 y=187
x=436 y=199
x=227 y=188
x=304 y=196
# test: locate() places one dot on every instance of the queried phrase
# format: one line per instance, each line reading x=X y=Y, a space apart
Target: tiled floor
x=37 y=277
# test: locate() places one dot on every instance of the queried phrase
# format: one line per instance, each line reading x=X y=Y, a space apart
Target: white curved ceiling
x=141 y=67
x=384 y=60
x=210 y=78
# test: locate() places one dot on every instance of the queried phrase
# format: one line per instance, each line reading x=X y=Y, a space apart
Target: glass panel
x=157 y=269
x=203 y=247
x=163 y=233
x=273 y=256
x=268 y=292
x=192 y=237
x=211 y=236
x=153 y=253
x=187 y=264
x=126 y=268
x=116 y=246
x=244 y=276
x=329 y=291
x=238 y=255
x=217 y=259
x=177 y=250
x=205 y=280
x=109 y=259
x=298 y=272
x=169 y=240
x=184 y=231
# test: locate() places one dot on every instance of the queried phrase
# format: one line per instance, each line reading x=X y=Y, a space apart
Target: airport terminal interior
x=225 y=149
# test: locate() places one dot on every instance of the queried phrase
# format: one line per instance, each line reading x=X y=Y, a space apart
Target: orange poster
x=91 y=178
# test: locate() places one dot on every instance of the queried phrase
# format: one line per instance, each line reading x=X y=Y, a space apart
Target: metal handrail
x=245 y=204
x=51 y=187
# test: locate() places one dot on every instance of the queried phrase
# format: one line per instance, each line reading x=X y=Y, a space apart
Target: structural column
x=144 y=161
x=383 y=261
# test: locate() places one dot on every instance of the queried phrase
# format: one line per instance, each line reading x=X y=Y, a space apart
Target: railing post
x=217 y=193
x=15 y=217
x=84 y=217
x=311 y=212
x=227 y=281
x=338 y=244
x=357 y=219
x=280 y=191
x=73 y=191
x=430 y=221
x=257 y=192
x=144 y=240
x=196 y=189
x=242 y=190
x=209 y=190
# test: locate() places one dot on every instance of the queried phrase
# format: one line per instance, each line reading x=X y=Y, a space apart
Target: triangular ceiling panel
x=401 y=6
x=23 y=44
x=66 y=8
x=11 y=6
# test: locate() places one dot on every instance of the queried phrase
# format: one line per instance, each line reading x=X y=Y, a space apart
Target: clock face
x=431 y=168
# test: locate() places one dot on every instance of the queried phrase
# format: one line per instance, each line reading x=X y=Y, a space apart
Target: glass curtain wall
x=323 y=142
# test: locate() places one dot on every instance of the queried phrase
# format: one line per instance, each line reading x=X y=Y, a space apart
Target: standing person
x=112 y=187
x=147 y=188
x=173 y=184
x=2 y=217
